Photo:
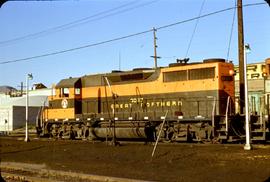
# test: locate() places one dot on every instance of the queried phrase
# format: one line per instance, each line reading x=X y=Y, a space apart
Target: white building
x=12 y=109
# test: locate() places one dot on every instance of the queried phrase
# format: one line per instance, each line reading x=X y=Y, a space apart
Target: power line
x=95 y=17
x=231 y=33
x=124 y=37
x=76 y=48
x=33 y=35
x=206 y=15
x=195 y=28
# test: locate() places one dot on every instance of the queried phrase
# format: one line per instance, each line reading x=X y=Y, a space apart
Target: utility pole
x=155 y=48
x=119 y=61
x=243 y=83
x=241 y=56
x=21 y=89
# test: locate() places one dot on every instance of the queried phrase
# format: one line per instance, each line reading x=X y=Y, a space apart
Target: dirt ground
x=171 y=162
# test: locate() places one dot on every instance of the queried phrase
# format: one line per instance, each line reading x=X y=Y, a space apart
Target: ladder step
x=180 y=139
x=222 y=123
x=258 y=131
x=258 y=138
x=221 y=130
x=256 y=123
x=222 y=137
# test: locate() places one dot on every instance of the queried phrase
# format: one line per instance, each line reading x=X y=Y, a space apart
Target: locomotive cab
x=66 y=103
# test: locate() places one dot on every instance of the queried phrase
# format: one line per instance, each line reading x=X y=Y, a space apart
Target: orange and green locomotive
x=190 y=98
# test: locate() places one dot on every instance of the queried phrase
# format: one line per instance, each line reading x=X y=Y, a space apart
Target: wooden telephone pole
x=241 y=55
x=243 y=83
x=155 y=48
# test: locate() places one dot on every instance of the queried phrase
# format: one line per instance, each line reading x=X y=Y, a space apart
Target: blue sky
x=210 y=40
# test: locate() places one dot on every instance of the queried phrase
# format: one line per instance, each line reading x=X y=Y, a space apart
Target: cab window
x=77 y=91
x=64 y=92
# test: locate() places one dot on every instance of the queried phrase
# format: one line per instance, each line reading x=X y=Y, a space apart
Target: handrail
x=226 y=113
x=213 y=116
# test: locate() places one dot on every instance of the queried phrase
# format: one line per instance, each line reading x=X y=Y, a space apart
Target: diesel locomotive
x=192 y=100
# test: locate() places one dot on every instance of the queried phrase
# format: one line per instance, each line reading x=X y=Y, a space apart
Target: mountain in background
x=7 y=89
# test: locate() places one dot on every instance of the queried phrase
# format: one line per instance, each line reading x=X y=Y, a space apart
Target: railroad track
x=12 y=177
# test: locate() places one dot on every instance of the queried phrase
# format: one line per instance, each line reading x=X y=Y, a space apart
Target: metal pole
x=21 y=88
x=247 y=145
x=26 y=111
x=153 y=152
x=241 y=55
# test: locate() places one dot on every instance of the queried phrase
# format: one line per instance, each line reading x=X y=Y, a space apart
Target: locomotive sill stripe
x=154 y=98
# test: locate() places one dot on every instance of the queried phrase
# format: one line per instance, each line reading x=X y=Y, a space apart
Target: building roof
x=39 y=86
x=35 y=101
